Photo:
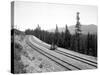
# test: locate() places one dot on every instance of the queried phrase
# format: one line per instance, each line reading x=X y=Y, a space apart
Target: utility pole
x=78 y=31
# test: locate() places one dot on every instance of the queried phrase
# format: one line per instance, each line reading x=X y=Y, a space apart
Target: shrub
x=18 y=46
x=18 y=67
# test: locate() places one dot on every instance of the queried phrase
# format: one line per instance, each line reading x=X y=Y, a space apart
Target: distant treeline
x=87 y=44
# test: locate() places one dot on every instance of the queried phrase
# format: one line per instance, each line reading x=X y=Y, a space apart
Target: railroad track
x=59 y=61
x=77 y=58
x=86 y=61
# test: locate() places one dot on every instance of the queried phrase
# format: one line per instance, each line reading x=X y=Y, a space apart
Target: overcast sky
x=47 y=15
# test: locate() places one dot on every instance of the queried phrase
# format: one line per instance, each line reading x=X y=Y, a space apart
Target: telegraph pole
x=78 y=31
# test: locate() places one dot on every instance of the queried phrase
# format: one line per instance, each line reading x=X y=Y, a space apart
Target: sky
x=27 y=15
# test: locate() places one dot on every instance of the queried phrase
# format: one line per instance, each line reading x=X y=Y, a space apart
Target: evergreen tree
x=67 y=38
x=78 y=32
x=56 y=36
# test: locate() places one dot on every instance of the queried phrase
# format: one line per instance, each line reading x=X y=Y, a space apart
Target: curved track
x=77 y=58
x=54 y=58
x=87 y=61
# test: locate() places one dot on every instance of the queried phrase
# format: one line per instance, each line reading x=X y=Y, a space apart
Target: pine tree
x=78 y=32
x=56 y=36
x=67 y=38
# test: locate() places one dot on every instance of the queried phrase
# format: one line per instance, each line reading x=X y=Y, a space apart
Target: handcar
x=53 y=47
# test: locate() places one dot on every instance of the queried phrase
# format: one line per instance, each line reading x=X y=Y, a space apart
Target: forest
x=87 y=43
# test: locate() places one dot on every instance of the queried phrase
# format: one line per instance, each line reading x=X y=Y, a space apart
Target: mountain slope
x=85 y=29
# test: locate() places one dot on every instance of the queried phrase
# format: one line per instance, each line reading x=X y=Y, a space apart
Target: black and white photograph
x=53 y=37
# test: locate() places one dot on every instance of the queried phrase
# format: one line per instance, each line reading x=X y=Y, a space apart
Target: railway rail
x=87 y=61
x=78 y=58
x=59 y=61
